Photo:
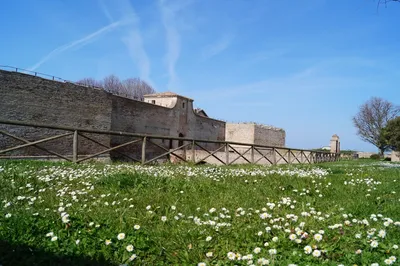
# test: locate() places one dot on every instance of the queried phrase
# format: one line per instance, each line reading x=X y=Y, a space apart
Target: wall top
x=167 y=94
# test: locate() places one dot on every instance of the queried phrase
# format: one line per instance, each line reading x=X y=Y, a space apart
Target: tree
x=392 y=133
x=89 y=82
x=133 y=88
x=371 y=120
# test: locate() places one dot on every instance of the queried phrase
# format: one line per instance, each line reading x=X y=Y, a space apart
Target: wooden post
x=301 y=156
x=193 y=152
x=289 y=157
x=226 y=154
x=144 y=150
x=274 y=156
x=75 y=147
x=252 y=154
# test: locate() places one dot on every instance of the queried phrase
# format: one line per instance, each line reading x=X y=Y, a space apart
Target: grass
x=66 y=214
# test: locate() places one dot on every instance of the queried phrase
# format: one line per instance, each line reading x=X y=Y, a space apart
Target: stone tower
x=335 y=144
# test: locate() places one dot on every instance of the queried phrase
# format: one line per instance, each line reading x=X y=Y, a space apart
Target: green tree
x=371 y=120
x=391 y=133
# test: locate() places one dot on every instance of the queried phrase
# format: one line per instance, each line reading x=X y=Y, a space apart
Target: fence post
x=144 y=150
x=273 y=156
x=289 y=157
x=301 y=156
x=226 y=153
x=75 y=147
x=193 y=152
x=252 y=154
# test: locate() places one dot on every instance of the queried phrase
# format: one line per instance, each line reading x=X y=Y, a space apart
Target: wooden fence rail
x=187 y=150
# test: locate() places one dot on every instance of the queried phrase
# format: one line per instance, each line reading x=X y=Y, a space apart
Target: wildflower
x=257 y=250
x=266 y=244
x=77 y=242
x=382 y=233
x=129 y=248
x=50 y=234
x=260 y=233
x=164 y=218
x=65 y=219
x=375 y=264
x=318 y=237
x=121 y=236
x=388 y=262
x=272 y=251
x=262 y=261
x=201 y=264
x=316 y=253
x=136 y=227
x=208 y=238
x=148 y=207
x=8 y=215
x=358 y=236
x=307 y=249
x=358 y=251
x=275 y=239
x=108 y=242
x=173 y=207
x=292 y=237
x=395 y=246
x=54 y=238
x=231 y=256
x=132 y=257
x=209 y=254
x=374 y=244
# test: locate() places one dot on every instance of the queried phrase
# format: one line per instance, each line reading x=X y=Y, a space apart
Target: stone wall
x=395 y=156
x=37 y=100
x=255 y=134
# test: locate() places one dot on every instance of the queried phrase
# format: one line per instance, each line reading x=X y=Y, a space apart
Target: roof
x=166 y=95
x=201 y=112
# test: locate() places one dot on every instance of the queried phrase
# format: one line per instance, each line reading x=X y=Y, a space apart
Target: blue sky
x=303 y=65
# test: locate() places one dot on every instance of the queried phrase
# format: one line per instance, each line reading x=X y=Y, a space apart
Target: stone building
x=37 y=100
x=253 y=133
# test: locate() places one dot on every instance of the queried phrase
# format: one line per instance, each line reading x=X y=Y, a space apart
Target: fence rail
x=187 y=149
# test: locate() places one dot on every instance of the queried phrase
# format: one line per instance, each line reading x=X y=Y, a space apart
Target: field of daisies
x=343 y=213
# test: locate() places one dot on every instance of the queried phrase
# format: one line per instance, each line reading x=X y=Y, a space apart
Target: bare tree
x=133 y=88
x=372 y=119
x=112 y=84
x=136 y=88
x=90 y=82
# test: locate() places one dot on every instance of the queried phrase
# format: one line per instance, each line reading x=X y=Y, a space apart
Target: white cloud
x=82 y=42
x=133 y=39
x=221 y=45
x=173 y=39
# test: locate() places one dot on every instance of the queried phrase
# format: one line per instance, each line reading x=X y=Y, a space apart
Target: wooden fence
x=186 y=150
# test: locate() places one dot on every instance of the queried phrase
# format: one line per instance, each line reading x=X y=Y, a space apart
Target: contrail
x=85 y=40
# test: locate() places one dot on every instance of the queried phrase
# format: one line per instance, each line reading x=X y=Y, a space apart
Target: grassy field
x=344 y=213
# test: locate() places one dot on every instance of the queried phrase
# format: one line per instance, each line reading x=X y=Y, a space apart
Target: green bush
x=375 y=156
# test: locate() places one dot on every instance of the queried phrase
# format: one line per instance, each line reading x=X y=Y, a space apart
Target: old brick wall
x=255 y=134
x=269 y=136
x=37 y=100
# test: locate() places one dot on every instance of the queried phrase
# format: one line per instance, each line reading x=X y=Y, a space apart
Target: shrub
x=375 y=156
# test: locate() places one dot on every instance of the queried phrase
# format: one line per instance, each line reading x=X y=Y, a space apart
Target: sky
x=305 y=66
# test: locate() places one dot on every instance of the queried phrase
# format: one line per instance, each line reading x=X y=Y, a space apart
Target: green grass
x=242 y=208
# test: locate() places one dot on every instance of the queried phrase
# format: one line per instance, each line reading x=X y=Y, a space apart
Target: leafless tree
x=113 y=84
x=133 y=88
x=372 y=118
x=89 y=82
x=136 y=88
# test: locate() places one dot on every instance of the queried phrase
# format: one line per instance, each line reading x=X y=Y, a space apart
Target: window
x=183 y=104
x=153 y=101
